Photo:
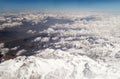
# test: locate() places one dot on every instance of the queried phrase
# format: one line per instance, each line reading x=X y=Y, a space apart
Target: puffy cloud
x=37 y=39
x=10 y=25
x=20 y=52
x=3 y=50
x=1 y=45
x=50 y=30
x=15 y=48
x=33 y=18
x=97 y=36
x=2 y=19
x=45 y=39
x=31 y=31
x=19 y=19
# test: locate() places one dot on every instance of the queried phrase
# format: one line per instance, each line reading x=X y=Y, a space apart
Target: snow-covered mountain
x=85 y=47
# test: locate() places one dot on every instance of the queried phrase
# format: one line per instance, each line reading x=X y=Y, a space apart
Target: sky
x=112 y=5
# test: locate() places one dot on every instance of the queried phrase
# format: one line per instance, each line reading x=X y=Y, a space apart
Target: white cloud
x=10 y=25
x=15 y=48
x=34 y=18
x=2 y=19
x=50 y=30
x=83 y=50
x=37 y=39
x=20 y=52
x=1 y=45
x=4 y=51
x=31 y=31
x=45 y=39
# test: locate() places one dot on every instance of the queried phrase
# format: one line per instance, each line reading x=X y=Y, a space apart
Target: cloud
x=31 y=31
x=15 y=48
x=1 y=45
x=10 y=25
x=37 y=39
x=86 y=47
x=2 y=19
x=15 y=20
x=3 y=50
x=96 y=37
x=34 y=18
x=45 y=39
x=21 y=52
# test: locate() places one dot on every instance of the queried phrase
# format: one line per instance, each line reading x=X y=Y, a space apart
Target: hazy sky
x=112 y=5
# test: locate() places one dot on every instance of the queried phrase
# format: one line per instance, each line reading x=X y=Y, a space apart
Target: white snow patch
x=65 y=66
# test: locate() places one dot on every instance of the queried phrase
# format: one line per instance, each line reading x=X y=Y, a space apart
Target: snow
x=56 y=64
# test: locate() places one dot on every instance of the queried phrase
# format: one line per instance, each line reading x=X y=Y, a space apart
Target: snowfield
x=87 y=48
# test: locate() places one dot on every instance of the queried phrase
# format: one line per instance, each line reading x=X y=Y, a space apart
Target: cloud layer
x=87 y=48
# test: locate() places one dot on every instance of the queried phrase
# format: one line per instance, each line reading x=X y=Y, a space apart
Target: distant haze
x=107 y=5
